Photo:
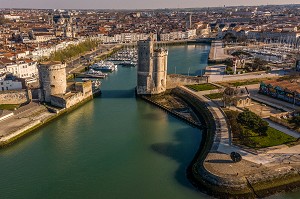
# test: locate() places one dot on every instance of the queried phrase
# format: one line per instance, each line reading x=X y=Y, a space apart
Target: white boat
x=95 y=74
x=105 y=66
x=128 y=64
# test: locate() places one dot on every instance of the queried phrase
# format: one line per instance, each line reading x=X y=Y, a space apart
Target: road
x=79 y=61
x=217 y=74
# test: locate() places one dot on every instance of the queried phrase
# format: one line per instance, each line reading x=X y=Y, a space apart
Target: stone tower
x=189 y=21
x=52 y=79
x=152 y=68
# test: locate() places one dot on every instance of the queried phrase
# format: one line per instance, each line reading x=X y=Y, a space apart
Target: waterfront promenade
x=216 y=73
x=222 y=141
x=217 y=53
x=252 y=175
x=23 y=119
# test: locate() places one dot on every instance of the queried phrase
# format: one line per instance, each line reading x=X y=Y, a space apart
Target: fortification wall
x=83 y=91
x=180 y=80
x=15 y=97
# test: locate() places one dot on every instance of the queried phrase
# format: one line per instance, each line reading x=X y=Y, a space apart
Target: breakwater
x=261 y=182
x=174 y=113
x=217 y=53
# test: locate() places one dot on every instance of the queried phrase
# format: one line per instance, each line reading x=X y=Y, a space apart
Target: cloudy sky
x=129 y=4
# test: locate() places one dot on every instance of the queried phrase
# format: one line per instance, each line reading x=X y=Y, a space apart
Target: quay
x=31 y=117
x=35 y=114
x=259 y=174
x=217 y=53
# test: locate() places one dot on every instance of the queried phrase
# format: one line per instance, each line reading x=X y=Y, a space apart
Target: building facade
x=152 y=68
x=10 y=83
x=236 y=96
x=282 y=90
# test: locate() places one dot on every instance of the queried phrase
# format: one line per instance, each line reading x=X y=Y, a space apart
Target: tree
x=296 y=120
x=240 y=54
x=229 y=37
x=258 y=64
x=253 y=122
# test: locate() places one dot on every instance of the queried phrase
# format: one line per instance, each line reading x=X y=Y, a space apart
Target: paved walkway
x=283 y=129
x=222 y=133
x=267 y=156
x=23 y=117
x=217 y=52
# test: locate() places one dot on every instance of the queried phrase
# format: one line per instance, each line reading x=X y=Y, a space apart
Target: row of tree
x=74 y=50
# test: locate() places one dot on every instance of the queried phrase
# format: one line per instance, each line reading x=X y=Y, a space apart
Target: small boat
x=128 y=64
x=105 y=66
x=95 y=74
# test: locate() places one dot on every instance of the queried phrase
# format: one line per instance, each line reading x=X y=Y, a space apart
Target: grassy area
x=248 y=135
x=248 y=82
x=9 y=106
x=273 y=138
x=202 y=87
x=245 y=82
x=214 y=95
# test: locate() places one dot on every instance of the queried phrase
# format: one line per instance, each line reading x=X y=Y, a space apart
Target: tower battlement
x=152 y=68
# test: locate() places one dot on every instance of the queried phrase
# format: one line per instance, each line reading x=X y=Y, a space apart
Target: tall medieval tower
x=52 y=80
x=152 y=68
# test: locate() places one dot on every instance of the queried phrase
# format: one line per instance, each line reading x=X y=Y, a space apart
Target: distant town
x=246 y=99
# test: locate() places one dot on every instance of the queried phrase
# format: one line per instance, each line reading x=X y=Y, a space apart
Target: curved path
x=260 y=173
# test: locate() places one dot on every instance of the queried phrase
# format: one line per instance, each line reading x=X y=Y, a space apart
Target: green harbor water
x=112 y=147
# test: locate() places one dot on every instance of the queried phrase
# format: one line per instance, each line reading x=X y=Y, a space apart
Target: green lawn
x=243 y=135
x=248 y=82
x=274 y=138
x=214 y=95
x=9 y=106
x=202 y=87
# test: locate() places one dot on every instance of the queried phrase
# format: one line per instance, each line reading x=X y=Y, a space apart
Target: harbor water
x=115 y=146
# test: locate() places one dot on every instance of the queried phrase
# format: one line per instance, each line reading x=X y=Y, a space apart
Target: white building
x=12 y=17
x=125 y=37
x=46 y=52
x=9 y=83
x=42 y=37
x=23 y=68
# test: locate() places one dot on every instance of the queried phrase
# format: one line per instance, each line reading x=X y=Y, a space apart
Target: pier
x=217 y=53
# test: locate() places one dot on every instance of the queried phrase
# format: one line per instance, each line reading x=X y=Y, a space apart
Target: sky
x=133 y=4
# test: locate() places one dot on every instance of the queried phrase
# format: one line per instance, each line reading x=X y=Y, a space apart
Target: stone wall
x=15 y=97
x=180 y=80
x=82 y=92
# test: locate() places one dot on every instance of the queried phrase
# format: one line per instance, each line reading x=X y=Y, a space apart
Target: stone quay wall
x=15 y=97
x=256 y=185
